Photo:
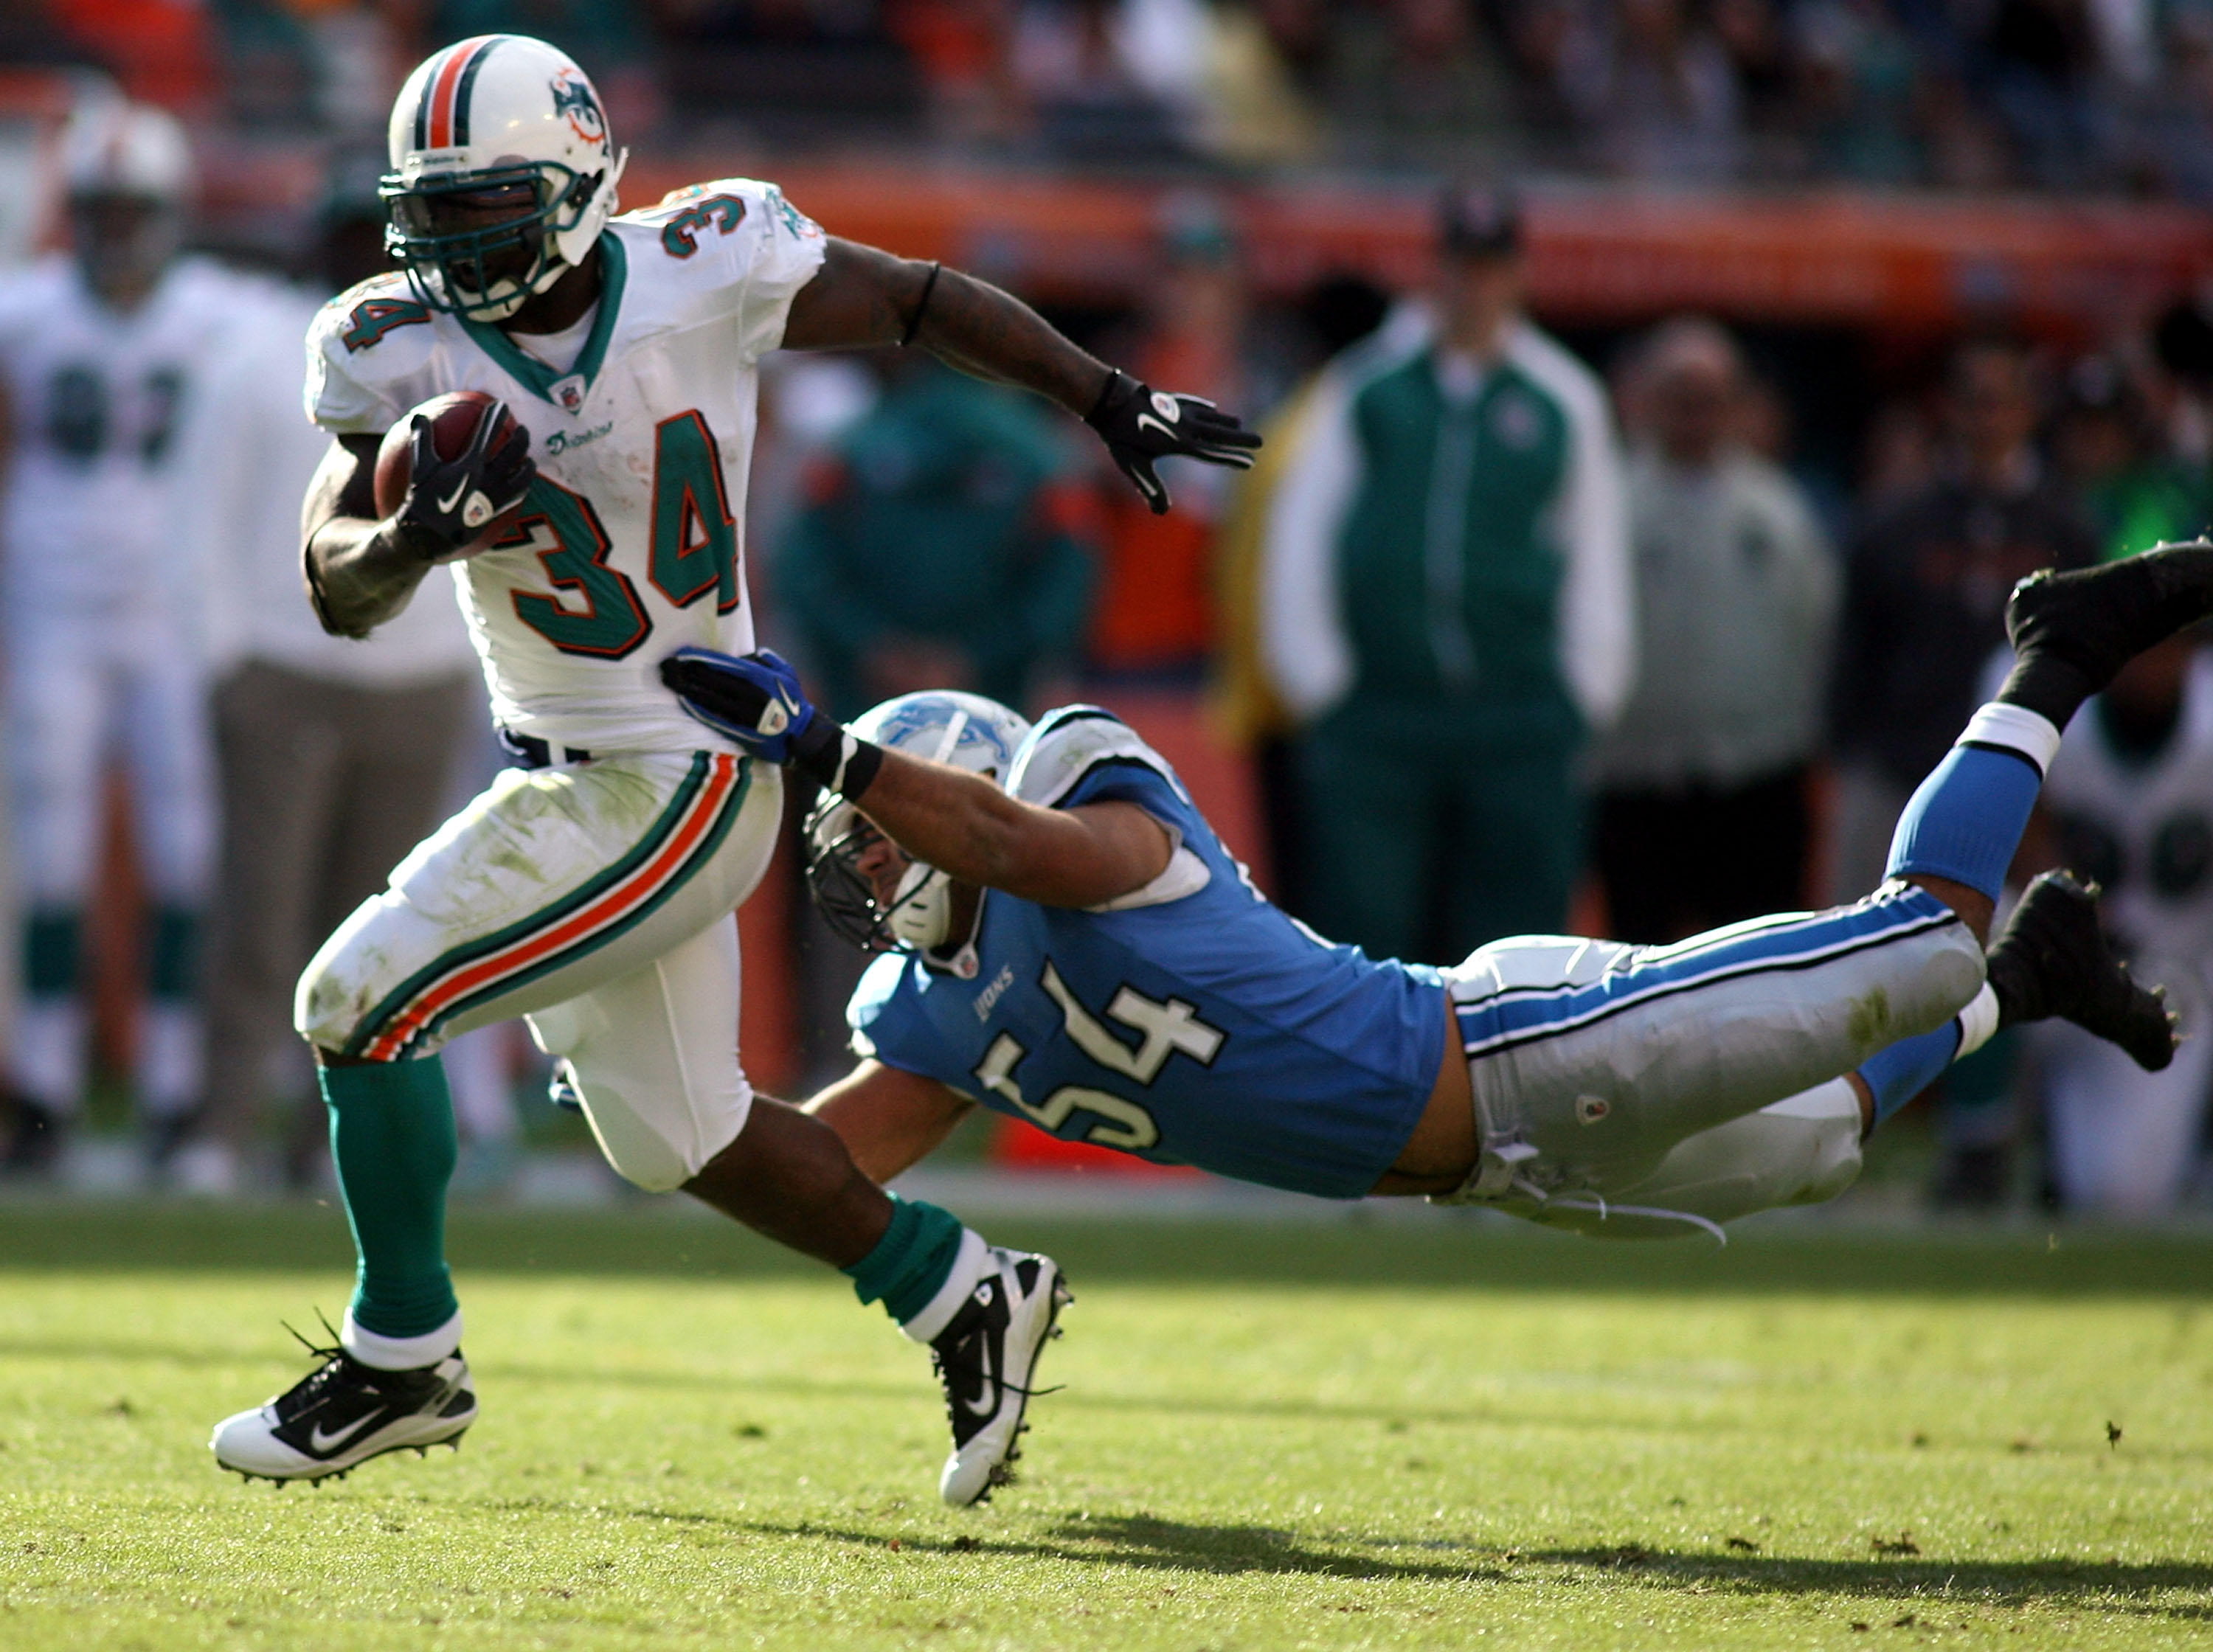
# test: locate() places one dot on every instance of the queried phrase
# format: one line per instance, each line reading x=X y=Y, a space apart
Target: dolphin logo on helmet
x=502 y=174
x=573 y=96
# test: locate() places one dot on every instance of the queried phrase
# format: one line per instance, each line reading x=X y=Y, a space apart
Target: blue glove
x=755 y=701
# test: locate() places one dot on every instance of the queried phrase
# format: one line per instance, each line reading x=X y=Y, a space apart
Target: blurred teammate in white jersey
x=591 y=889
x=100 y=352
x=2130 y=798
x=334 y=756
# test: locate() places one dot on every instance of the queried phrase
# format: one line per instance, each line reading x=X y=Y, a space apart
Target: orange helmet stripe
x=442 y=93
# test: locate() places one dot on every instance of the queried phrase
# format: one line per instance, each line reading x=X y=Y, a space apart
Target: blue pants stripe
x=1527 y=1014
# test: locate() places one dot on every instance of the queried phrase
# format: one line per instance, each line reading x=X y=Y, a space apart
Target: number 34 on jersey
x=693 y=549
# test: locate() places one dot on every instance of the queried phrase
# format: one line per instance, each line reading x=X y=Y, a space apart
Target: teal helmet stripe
x=467 y=86
x=441 y=117
x=429 y=91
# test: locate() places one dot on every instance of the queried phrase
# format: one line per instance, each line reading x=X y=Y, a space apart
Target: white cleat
x=343 y=1413
x=986 y=1359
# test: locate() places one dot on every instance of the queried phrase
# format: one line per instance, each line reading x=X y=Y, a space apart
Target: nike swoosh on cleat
x=321 y=1443
x=989 y=1402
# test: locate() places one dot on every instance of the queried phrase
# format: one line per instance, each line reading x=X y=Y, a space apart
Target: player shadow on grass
x=2114 y=1586
x=1149 y=1542
x=1925 y=1585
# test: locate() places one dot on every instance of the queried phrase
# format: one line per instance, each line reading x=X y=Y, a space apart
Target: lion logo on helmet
x=572 y=96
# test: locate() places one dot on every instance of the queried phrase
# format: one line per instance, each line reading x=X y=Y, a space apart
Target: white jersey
x=2144 y=830
x=98 y=399
x=629 y=544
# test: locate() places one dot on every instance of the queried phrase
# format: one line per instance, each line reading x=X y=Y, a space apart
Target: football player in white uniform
x=99 y=353
x=590 y=890
x=2130 y=802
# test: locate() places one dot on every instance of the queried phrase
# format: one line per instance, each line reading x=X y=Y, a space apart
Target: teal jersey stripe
x=658 y=834
x=631 y=920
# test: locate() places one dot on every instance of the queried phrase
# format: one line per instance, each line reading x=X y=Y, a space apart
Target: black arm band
x=1109 y=393
x=921 y=307
x=834 y=759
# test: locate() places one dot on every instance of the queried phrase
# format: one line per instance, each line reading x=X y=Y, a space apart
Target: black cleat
x=167 y=1136
x=343 y=1413
x=2054 y=960
x=1973 y=1179
x=2072 y=633
x=985 y=1359
x=35 y=1140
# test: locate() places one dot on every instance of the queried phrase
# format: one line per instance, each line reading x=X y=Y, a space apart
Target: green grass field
x=1338 y=1435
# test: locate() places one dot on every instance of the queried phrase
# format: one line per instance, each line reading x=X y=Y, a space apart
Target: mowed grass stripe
x=1241 y=1460
x=671 y=1236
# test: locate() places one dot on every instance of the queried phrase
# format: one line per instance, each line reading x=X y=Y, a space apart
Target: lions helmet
x=943 y=726
x=129 y=172
x=502 y=174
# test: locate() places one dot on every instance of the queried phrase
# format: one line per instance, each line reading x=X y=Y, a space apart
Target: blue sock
x=1901 y=1071
x=912 y=1261
x=1967 y=819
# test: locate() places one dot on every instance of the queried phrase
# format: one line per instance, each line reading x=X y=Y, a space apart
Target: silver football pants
x=1608 y=1075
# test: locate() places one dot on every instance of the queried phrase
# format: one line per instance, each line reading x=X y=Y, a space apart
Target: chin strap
x=1597 y=1202
x=1498 y=1176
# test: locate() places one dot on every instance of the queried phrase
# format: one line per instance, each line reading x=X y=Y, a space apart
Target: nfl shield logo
x=570 y=393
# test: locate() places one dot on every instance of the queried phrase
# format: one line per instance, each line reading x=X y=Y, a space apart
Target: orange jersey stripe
x=403 y=1027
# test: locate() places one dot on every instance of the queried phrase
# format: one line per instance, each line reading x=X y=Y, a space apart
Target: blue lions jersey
x=1188 y=1023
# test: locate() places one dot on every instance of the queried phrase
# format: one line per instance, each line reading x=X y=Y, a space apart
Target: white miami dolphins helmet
x=943 y=726
x=503 y=173
x=129 y=174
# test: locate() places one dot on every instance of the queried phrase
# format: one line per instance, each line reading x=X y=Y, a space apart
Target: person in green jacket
x=946 y=540
x=2107 y=440
x=1446 y=609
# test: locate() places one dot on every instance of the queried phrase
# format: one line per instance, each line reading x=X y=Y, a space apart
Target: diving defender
x=1070 y=943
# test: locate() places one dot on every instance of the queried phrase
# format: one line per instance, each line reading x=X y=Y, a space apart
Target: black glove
x=1140 y=425
x=450 y=502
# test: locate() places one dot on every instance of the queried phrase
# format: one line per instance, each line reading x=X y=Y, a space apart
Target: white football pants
x=595 y=898
x=1695 y=1082
x=2124 y=1142
x=82 y=687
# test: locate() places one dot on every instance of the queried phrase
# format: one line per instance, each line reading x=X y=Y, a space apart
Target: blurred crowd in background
x=2075 y=94
x=1633 y=631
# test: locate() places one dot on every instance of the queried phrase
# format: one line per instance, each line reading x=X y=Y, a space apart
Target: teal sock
x=172 y=953
x=392 y=1138
x=910 y=1262
x=53 y=948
